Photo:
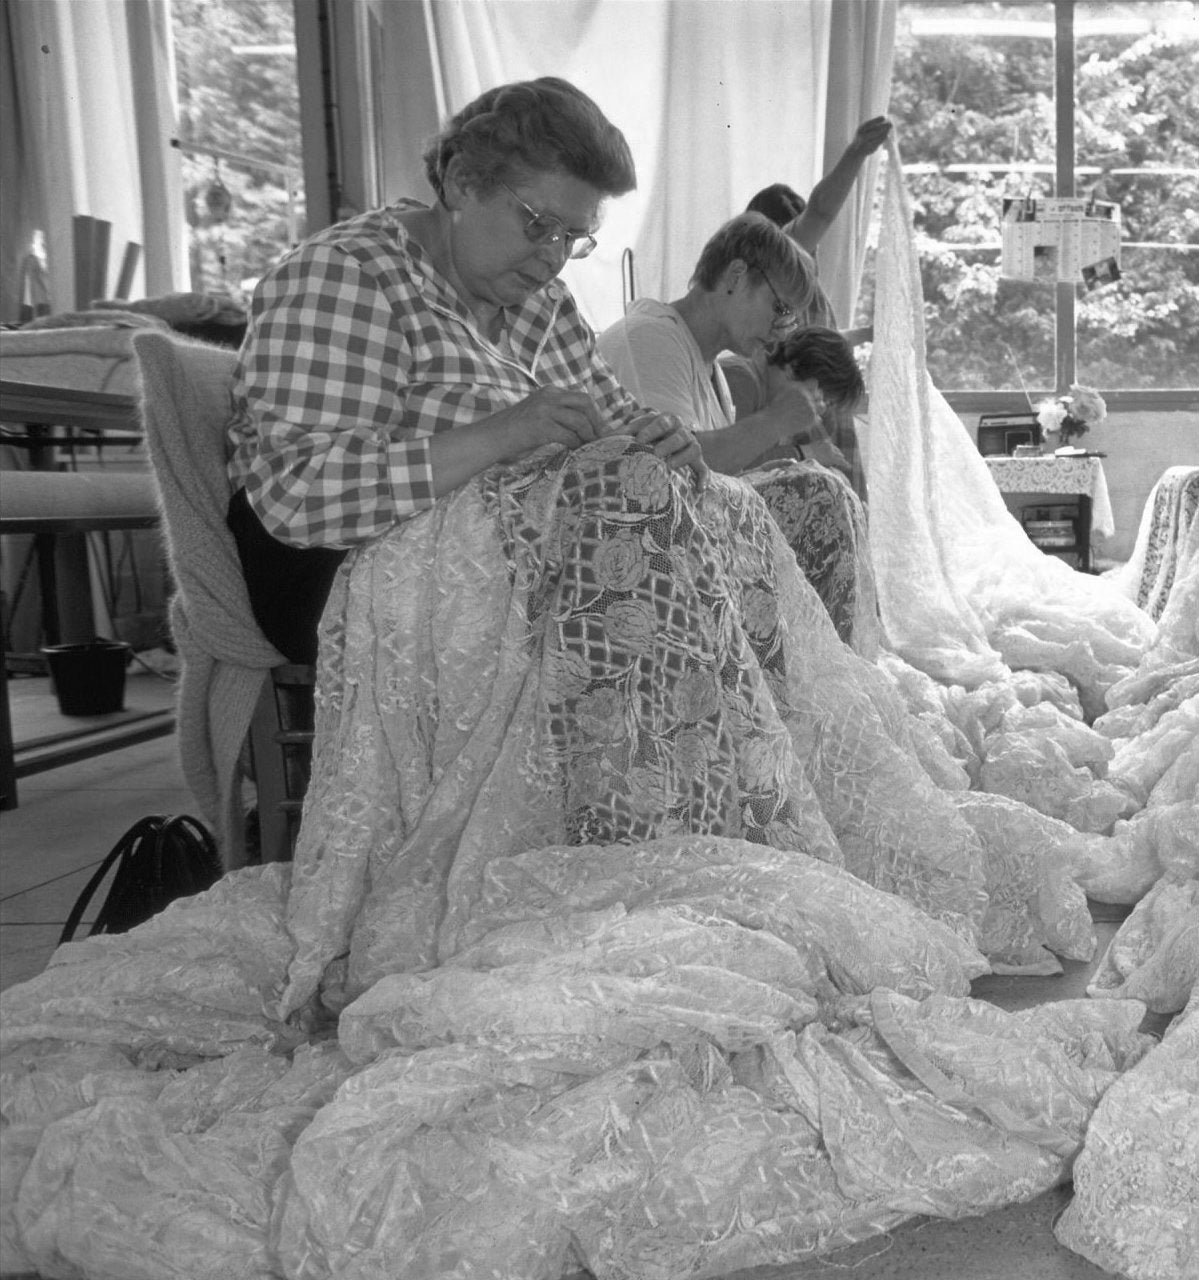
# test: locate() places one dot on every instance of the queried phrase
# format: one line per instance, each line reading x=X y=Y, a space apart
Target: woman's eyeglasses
x=784 y=312
x=544 y=228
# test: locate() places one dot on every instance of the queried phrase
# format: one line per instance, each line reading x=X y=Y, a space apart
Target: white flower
x=1051 y=414
x=1073 y=413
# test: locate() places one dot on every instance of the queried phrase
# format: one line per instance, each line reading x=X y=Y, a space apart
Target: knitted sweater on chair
x=224 y=657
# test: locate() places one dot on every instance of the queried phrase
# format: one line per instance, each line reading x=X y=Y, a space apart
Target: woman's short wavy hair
x=756 y=241
x=538 y=126
x=823 y=354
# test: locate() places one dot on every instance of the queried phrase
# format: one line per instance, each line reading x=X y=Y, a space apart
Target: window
x=1013 y=100
x=239 y=132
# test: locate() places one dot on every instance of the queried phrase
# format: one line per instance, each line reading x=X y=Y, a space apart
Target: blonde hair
x=756 y=241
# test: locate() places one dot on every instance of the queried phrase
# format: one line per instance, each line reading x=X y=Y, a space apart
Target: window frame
x=1065 y=299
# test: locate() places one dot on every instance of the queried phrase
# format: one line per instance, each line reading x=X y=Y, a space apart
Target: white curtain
x=861 y=44
x=89 y=134
x=716 y=97
x=155 y=111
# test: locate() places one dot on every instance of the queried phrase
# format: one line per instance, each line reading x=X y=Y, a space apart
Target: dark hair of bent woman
x=823 y=354
x=539 y=126
x=779 y=202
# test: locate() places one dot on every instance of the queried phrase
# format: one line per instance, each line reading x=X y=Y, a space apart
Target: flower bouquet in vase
x=1066 y=417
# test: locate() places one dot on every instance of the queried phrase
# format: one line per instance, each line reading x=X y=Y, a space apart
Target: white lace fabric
x=644 y=934
x=634 y=915
x=1135 y=1210
x=649 y=1092
x=577 y=651
x=962 y=592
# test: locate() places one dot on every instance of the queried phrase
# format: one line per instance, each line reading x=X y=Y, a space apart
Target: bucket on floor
x=89 y=679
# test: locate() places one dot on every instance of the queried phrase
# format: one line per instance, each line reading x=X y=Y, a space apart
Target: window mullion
x=1066 y=349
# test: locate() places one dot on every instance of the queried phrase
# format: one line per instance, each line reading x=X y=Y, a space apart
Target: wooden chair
x=281 y=735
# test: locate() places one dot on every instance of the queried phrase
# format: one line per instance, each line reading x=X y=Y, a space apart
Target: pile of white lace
x=694 y=1054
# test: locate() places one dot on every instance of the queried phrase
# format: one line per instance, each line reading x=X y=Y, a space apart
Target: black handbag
x=157 y=860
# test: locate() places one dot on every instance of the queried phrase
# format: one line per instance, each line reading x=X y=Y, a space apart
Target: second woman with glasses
x=750 y=284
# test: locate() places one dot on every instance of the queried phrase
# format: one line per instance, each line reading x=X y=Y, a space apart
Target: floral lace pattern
x=1165 y=541
x=824 y=523
x=578 y=650
x=697 y=1046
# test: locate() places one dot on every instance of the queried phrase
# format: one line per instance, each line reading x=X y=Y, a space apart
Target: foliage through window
x=239 y=132
x=973 y=98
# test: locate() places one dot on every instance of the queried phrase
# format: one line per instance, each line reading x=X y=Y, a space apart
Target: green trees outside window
x=239 y=132
x=973 y=101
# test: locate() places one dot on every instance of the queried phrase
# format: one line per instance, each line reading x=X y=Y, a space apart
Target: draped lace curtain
x=716 y=97
x=963 y=594
x=85 y=130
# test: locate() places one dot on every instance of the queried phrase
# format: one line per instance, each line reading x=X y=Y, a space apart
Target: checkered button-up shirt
x=359 y=351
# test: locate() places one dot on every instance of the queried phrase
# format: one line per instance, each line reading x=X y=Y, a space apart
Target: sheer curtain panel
x=87 y=129
x=717 y=98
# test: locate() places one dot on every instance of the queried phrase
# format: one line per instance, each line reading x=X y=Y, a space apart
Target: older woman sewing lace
x=546 y=631
x=394 y=357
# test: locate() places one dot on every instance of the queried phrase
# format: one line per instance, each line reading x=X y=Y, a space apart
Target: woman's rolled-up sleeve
x=324 y=375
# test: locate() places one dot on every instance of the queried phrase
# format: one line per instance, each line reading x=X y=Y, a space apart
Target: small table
x=1038 y=480
x=56 y=505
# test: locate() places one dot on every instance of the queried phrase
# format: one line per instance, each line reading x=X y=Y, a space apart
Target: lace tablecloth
x=1049 y=474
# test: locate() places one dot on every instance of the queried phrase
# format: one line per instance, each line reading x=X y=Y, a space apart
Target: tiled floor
x=68 y=818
